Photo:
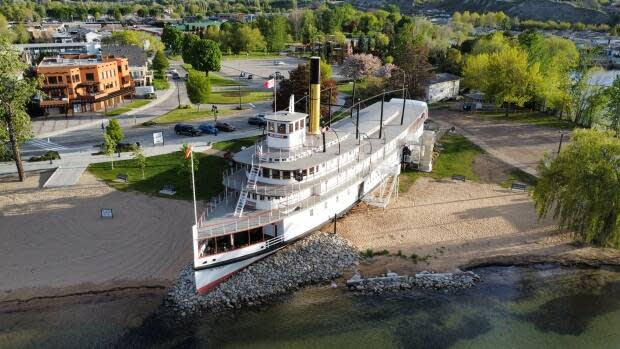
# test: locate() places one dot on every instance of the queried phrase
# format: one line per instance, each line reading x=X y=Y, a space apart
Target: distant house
x=443 y=86
x=138 y=62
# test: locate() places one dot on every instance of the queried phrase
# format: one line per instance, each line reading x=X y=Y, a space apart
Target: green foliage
x=172 y=38
x=114 y=131
x=109 y=147
x=160 y=62
x=613 y=108
x=140 y=158
x=274 y=29
x=49 y=155
x=198 y=87
x=581 y=187
x=127 y=107
x=134 y=37
x=202 y=54
x=186 y=164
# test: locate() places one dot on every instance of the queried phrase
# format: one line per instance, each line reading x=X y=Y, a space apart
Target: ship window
x=271 y=126
x=311 y=170
x=297 y=125
x=304 y=172
x=281 y=128
x=303 y=123
x=290 y=128
x=265 y=172
x=276 y=174
x=260 y=197
x=286 y=175
x=311 y=212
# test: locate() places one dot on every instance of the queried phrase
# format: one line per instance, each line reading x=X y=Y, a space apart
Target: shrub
x=49 y=155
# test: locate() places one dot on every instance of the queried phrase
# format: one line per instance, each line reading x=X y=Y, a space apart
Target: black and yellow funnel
x=315 y=96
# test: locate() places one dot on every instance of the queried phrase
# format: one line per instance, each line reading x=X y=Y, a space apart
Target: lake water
x=514 y=307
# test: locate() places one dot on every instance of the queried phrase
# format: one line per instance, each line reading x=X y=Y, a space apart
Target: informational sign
x=158 y=138
x=107 y=213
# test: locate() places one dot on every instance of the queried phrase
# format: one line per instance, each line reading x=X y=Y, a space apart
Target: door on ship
x=360 y=191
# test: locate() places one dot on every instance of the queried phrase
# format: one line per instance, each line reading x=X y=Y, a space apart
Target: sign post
x=158 y=137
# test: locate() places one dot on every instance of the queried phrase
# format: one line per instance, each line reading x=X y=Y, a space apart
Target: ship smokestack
x=315 y=96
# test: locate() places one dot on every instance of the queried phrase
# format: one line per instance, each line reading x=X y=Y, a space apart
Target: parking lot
x=259 y=68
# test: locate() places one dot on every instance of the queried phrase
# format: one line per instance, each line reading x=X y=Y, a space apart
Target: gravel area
x=316 y=259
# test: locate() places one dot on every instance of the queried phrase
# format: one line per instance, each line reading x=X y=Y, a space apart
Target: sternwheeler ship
x=299 y=176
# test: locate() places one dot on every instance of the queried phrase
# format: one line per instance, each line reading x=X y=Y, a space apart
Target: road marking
x=46 y=144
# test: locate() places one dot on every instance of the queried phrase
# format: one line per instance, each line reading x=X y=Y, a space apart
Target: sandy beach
x=54 y=241
x=449 y=223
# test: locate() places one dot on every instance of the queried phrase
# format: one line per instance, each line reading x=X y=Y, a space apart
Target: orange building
x=81 y=83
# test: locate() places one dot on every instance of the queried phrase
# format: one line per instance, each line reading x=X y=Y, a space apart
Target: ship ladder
x=251 y=184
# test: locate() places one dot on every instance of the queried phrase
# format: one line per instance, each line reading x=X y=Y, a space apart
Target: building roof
x=443 y=77
x=135 y=55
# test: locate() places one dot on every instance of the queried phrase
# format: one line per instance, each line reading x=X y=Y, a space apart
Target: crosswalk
x=46 y=144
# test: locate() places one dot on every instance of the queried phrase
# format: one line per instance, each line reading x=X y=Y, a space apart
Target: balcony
x=53 y=103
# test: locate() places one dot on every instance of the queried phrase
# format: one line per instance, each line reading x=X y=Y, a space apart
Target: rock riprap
x=316 y=259
x=392 y=282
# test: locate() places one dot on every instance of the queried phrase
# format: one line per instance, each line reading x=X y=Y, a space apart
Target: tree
x=21 y=35
x=138 y=155
x=114 y=131
x=581 y=187
x=412 y=60
x=160 y=62
x=16 y=92
x=132 y=37
x=198 y=87
x=247 y=39
x=613 y=109
x=202 y=54
x=172 y=38
x=276 y=33
x=109 y=147
x=359 y=66
x=298 y=83
x=505 y=76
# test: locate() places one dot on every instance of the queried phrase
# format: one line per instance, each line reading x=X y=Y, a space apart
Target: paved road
x=520 y=145
x=260 y=68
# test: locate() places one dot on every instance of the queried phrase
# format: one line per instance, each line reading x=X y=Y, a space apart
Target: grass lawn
x=517 y=175
x=218 y=80
x=348 y=87
x=232 y=97
x=457 y=157
x=127 y=107
x=161 y=84
x=163 y=169
x=178 y=115
x=234 y=145
x=532 y=118
x=252 y=55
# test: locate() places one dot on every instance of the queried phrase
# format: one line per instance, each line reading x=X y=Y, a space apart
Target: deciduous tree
x=160 y=62
x=359 y=66
x=298 y=84
x=198 y=88
x=581 y=187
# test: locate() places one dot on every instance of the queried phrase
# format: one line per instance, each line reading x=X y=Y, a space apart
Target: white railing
x=274 y=241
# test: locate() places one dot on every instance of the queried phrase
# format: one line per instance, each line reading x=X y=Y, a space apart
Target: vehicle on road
x=208 y=129
x=250 y=76
x=225 y=127
x=188 y=130
x=278 y=63
x=260 y=115
x=258 y=121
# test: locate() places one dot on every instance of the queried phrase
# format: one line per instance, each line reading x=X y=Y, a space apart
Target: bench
x=122 y=177
x=518 y=186
x=458 y=178
x=168 y=190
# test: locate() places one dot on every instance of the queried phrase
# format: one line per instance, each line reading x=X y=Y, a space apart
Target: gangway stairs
x=250 y=185
x=381 y=196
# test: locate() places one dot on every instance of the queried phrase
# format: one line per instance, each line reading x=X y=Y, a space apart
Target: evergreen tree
x=160 y=62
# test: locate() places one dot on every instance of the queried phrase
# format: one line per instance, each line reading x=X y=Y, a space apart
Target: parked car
x=258 y=121
x=188 y=130
x=250 y=76
x=225 y=127
x=208 y=129
x=260 y=115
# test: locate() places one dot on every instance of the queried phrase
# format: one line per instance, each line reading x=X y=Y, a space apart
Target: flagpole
x=191 y=154
x=275 y=94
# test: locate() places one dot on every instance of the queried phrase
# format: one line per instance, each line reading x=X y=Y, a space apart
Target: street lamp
x=215 y=111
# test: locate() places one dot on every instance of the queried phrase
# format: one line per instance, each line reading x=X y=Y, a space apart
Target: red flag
x=269 y=83
x=188 y=152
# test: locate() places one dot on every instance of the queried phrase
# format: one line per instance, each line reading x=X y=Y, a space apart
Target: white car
x=278 y=63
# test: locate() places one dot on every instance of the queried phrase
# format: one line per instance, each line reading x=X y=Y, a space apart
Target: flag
x=269 y=83
x=188 y=152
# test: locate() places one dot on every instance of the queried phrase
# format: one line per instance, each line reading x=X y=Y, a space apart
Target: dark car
x=224 y=126
x=188 y=130
x=250 y=76
x=258 y=121
x=208 y=129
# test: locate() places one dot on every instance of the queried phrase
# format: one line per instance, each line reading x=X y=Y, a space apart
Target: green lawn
x=348 y=87
x=162 y=170
x=232 y=97
x=234 y=145
x=127 y=107
x=252 y=55
x=517 y=175
x=218 y=80
x=161 y=84
x=178 y=115
x=532 y=118
x=457 y=157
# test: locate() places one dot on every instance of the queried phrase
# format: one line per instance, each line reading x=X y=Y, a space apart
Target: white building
x=443 y=86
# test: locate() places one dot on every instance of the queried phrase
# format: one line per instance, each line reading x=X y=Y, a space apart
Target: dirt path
x=520 y=145
x=54 y=239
